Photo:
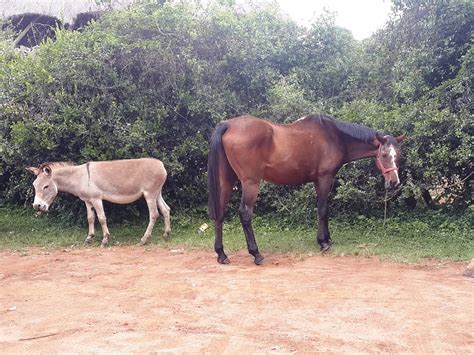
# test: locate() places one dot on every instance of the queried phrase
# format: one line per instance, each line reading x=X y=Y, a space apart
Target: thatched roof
x=36 y=20
x=64 y=10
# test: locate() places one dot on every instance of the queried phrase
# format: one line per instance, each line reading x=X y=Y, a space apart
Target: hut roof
x=64 y=10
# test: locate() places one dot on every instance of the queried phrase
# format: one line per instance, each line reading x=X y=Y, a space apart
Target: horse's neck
x=357 y=149
x=68 y=178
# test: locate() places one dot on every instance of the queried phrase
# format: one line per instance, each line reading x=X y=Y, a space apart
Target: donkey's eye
x=44 y=188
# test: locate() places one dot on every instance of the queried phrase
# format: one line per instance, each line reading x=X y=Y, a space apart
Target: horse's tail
x=216 y=151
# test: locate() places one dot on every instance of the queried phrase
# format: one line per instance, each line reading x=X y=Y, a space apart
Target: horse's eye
x=44 y=188
x=384 y=155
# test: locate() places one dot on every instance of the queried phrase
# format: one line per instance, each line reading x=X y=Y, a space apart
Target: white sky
x=361 y=17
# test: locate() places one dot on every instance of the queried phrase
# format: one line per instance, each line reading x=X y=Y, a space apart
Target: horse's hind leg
x=226 y=184
x=249 y=198
x=165 y=211
x=153 y=216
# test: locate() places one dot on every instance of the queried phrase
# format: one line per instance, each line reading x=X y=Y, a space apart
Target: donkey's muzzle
x=40 y=207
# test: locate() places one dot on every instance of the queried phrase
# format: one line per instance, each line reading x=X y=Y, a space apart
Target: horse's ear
x=33 y=170
x=400 y=138
x=47 y=170
x=380 y=138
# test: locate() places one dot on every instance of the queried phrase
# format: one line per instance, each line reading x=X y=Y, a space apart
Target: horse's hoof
x=326 y=246
x=258 y=259
x=104 y=245
x=223 y=261
x=166 y=236
x=142 y=243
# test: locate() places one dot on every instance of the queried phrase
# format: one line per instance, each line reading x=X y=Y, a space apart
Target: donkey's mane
x=353 y=130
x=56 y=164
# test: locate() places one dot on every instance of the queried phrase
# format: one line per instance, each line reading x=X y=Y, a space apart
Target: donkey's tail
x=216 y=151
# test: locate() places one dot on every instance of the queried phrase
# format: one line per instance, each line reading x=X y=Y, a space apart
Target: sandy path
x=131 y=299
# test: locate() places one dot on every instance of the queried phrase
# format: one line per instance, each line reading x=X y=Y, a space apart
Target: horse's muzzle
x=391 y=185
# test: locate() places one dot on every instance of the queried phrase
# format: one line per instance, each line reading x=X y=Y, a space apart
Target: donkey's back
x=126 y=179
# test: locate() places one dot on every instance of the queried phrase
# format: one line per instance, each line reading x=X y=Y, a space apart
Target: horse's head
x=45 y=187
x=388 y=159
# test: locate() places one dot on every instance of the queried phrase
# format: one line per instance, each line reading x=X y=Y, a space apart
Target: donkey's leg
x=165 y=211
x=99 y=210
x=249 y=197
x=323 y=188
x=153 y=212
x=90 y=221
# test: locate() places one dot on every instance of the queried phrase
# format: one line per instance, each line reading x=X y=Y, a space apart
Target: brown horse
x=312 y=149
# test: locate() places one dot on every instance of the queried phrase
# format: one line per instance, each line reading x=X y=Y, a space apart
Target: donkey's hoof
x=88 y=240
x=143 y=242
x=224 y=260
x=258 y=259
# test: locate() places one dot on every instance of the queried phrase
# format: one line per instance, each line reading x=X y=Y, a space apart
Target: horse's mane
x=56 y=164
x=353 y=130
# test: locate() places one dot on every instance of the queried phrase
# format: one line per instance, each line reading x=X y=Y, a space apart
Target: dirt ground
x=131 y=299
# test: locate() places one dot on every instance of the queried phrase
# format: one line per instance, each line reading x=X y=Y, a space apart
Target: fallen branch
x=38 y=337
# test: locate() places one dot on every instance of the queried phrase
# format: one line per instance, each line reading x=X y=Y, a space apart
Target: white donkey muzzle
x=40 y=205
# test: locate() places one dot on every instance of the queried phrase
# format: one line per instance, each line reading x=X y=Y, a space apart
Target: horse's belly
x=286 y=176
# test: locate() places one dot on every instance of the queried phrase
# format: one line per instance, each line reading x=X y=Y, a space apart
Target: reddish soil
x=130 y=299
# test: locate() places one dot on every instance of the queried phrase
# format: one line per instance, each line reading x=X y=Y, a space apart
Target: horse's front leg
x=90 y=221
x=99 y=210
x=323 y=188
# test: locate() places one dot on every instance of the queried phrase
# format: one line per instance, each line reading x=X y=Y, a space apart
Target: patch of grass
x=407 y=238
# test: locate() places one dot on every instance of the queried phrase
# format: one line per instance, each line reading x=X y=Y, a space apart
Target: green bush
x=153 y=80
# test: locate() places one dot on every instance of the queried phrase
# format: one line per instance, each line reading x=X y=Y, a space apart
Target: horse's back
x=280 y=153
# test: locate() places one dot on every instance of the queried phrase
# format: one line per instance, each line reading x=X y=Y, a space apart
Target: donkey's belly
x=122 y=199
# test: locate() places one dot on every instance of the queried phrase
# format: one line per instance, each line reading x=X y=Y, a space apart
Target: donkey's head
x=388 y=159
x=45 y=187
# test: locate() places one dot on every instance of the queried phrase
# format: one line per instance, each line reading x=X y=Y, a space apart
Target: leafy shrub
x=153 y=80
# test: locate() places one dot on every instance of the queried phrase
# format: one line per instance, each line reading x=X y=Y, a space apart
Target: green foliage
x=154 y=79
x=325 y=61
x=420 y=48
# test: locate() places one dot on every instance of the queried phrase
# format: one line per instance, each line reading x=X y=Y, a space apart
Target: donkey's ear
x=33 y=170
x=380 y=138
x=400 y=138
x=47 y=170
